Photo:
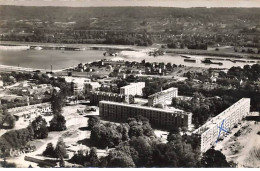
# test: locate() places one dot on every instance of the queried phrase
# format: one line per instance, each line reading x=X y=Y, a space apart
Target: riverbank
x=213 y=53
x=7 y=68
x=225 y=51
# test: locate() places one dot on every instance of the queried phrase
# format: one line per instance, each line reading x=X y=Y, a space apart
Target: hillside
x=128 y=18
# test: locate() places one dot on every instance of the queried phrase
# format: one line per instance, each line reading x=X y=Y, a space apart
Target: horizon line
x=119 y=6
x=136 y=3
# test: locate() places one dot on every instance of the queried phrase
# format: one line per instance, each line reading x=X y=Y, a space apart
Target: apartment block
x=163 y=96
x=41 y=108
x=158 y=117
x=133 y=89
x=97 y=96
x=209 y=132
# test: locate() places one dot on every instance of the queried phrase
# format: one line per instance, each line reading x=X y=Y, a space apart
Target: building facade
x=79 y=83
x=210 y=131
x=91 y=86
x=133 y=89
x=37 y=109
x=96 y=96
x=158 y=117
x=163 y=96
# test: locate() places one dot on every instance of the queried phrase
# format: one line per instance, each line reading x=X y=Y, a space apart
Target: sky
x=162 y=3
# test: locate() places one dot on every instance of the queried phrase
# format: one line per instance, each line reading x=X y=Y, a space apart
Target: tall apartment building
x=163 y=96
x=209 y=132
x=158 y=117
x=133 y=89
x=97 y=96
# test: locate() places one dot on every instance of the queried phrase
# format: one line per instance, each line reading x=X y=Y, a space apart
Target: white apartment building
x=163 y=96
x=209 y=132
x=133 y=89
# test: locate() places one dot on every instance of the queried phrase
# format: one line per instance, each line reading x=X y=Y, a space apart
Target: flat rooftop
x=132 y=84
x=168 y=110
x=163 y=92
x=106 y=93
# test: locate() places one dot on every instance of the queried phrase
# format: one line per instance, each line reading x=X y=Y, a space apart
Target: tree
x=58 y=123
x=136 y=131
x=105 y=135
x=56 y=103
x=174 y=135
x=142 y=150
x=164 y=155
x=50 y=151
x=214 y=158
x=8 y=120
x=120 y=159
x=61 y=149
x=92 y=121
x=40 y=129
x=93 y=158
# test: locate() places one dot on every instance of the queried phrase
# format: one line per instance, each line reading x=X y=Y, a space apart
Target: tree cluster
x=201 y=107
x=58 y=152
x=135 y=145
x=142 y=40
x=110 y=135
x=39 y=126
x=203 y=46
x=15 y=139
x=87 y=159
x=251 y=73
x=107 y=135
x=6 y=119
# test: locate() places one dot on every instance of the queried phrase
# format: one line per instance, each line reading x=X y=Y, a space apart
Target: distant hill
x=178 y=27
x=130 y=18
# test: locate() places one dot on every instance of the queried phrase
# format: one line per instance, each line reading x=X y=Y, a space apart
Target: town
x=117 y=103
x=129 y=87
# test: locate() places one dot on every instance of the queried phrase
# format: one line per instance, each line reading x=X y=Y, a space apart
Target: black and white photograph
x=129 y=84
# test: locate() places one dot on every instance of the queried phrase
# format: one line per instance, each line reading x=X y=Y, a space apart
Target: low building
x=133 y=89
x=36 y=109
x=210 y=132
x=91 y=86
x=97 y=96
x=169 y=119
x=79 y=83
x=163 y=96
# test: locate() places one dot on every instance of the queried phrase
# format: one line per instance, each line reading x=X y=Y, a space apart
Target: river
x=59 y=59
